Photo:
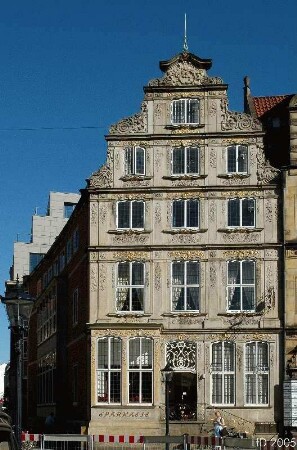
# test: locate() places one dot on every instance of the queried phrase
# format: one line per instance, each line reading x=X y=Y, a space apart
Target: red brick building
x=58 y=358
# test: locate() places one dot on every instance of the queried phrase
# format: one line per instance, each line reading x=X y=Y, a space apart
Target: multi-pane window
x=75 y=383
x=185 y=161
x=46 y=379
x=130 y=215
x=241 y=285
x=257 y=373
x=130 y=286
x=75 y=307
x=237 y=159
x=185 y=111
x=75 y=240
x=185 y=214
x=46 y=317
x=140 y=370
x=109 y=353
x=241 y=212
x=135 y=161
x=185 y=285
x=223 y=373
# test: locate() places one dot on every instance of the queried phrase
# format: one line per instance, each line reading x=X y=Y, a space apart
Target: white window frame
x=256 y=372
x=237 y=147
x=108 y=370
x=134 y=170
x=185 y=286
x=240 y=200
x=186 y=102
x=185 y=225
x=131 y=203
x=75 y=307
x=185 y=150
x=223 y=374
x=130 y=287
x=141 y=370
x=241 y=285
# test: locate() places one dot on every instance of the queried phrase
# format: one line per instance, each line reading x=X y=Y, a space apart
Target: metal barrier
x=137 y=442
x=66 y=442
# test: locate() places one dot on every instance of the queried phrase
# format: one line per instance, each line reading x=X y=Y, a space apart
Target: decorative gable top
x=185 y=69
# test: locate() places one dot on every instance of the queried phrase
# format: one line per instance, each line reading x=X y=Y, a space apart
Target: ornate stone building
x=179 y=263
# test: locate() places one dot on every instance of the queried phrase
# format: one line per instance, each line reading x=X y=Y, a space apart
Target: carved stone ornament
x=237 y=121
x=265 y=172
x=134 y=124
x=241 y=254
x=188 y=255
x=185 y=73
x=101 y=178
x=131 y=256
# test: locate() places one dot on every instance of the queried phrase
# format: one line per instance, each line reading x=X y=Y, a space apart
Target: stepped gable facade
x=181 y=257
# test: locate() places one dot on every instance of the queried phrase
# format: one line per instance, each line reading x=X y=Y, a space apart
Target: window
x=34 y=260
x=75 y=238
x=46 y=316
x=75 y=307
x=109 y=352
x=140 y=370
x=241 y=212
x=185 y=285
x=68 y=209
x=75 y=384
x=68 y=250
x=223 y=373
x=130 y=215
x=241 y=285
x=130 y=286
x=185 y=160
x=185 y=111
x=237 y=159
x=256 y=373
x=46 y=379
x=185 y=214
x=135 y=161
x=62 y=260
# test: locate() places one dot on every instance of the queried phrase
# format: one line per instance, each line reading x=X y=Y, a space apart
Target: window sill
x=239 y=313
x=129 y=231
x=128 y=314
x=136 y=178
x=234 y=175
x=240 y=230
x=184 y=177
x=184 y=314
x=184 y=125
x=185 y=231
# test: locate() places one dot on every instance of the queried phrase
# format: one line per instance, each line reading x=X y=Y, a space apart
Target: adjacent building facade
x=173 y=256
x=26 y=256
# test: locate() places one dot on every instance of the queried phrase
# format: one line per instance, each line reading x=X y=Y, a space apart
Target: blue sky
x=83 y=63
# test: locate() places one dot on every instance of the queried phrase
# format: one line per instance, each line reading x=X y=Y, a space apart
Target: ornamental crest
x=134 y=124
x=184 y=73
x=237 y=121
x=265 y=172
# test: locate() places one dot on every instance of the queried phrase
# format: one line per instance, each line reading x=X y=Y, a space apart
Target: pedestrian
x=218 y=424
x=49 y=423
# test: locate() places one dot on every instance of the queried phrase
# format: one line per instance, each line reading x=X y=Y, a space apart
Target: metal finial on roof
x=186 y=48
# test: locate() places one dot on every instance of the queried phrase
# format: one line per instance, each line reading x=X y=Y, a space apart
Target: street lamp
x=18 y=306
x=167 y=374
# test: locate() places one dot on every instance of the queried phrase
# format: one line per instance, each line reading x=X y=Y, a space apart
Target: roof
x=264 y=104
x=197 y=62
